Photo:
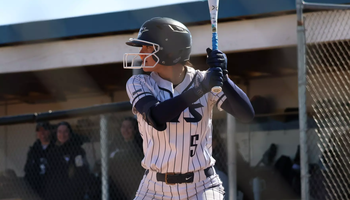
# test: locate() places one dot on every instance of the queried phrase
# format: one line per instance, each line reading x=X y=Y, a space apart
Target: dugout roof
x=54 y=60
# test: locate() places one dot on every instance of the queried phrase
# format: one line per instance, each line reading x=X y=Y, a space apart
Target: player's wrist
x=200 y=90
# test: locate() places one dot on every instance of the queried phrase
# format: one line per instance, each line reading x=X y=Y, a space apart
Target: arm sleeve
x=237 y=102
x=154 y=112
x=167 y=110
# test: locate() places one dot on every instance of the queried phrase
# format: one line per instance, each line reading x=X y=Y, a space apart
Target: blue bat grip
x=215 y=89
x=214 y=41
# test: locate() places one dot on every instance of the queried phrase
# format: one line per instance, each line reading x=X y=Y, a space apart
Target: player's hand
x=213 y=77
x=217 y=58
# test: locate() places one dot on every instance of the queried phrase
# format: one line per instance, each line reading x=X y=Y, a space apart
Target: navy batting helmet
x=172 y=40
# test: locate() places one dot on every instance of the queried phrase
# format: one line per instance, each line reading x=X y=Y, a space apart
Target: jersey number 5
x=194 y=138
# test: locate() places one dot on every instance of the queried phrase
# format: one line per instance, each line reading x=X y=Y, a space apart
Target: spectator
x=125 y=169
x=36 y=164
x=68 y=170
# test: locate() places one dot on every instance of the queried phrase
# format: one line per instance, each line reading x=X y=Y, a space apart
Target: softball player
x=174 y=110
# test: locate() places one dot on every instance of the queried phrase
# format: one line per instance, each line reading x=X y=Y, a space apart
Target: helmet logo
x=177 y=60
x=177 y=29
x=142 y=30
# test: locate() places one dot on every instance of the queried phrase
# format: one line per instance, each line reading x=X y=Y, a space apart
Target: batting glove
x=217 y=58
x=213 y=77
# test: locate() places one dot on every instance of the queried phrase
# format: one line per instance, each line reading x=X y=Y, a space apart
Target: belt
x=172 y=178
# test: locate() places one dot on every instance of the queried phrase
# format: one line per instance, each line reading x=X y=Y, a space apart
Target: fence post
x=231 y=156
x=302 y=101
x=104 y=156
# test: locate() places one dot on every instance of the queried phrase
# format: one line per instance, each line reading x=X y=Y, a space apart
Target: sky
x=20 y=11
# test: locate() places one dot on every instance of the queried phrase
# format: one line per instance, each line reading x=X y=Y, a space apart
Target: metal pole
x=5 y=139
x=302 y=101
x=104 y=156
x=325 y=6
x=231 y=154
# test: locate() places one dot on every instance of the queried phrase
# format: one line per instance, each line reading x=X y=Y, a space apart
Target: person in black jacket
x=68 y=170
x=36 y=164
x=124 y=165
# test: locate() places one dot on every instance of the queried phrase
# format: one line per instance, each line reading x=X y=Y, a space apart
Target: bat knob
x=216 y=89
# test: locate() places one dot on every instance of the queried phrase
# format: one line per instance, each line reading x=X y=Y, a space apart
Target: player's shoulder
x=199 y=74
x=140 y=78
x=194 y=72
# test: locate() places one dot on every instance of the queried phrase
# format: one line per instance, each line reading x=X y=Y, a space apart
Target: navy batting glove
x=217 y=58
x=213 y=77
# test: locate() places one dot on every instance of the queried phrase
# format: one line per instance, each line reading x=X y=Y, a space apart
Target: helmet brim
x=136 y=43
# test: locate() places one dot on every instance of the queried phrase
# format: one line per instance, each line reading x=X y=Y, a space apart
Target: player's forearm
x=157 y=114
x=237 y=102
x=170 y=109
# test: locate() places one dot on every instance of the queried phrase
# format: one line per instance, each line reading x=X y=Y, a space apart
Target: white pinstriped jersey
x=185 y=145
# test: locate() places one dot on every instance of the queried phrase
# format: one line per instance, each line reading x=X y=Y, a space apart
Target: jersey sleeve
x=138 y=87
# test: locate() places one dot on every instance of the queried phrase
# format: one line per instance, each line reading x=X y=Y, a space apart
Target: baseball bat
x=214 y=9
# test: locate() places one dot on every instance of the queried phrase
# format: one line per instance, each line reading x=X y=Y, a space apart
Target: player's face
x=149 y=61
x=63 y=134
x=43 y=135
x=127 y=130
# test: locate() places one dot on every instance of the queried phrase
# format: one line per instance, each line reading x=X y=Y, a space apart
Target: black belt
x=172 y=178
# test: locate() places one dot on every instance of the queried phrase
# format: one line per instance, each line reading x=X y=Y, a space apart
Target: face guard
x=132 y=57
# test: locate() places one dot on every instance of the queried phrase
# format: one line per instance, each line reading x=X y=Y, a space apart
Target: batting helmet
x=171 y=40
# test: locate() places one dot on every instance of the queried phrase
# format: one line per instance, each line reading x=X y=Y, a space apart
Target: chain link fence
x=71 y=166
x=327 y=59
x=99 y=158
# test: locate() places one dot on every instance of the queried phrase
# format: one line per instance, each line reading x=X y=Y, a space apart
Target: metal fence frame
x=302 y=83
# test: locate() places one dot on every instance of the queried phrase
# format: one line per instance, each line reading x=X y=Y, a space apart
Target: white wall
x=282 y=90
x=254 y=144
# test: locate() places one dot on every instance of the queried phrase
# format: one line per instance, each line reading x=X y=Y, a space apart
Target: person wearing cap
x=36 y=164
